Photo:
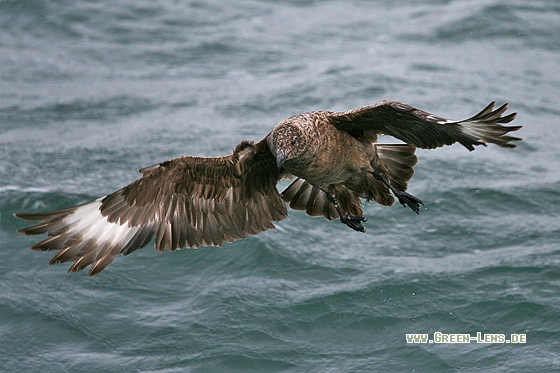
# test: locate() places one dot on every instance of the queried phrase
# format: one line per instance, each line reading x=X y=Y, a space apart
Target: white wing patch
x=86 y=237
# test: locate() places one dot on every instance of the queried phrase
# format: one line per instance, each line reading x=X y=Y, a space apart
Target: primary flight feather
x=195 y=201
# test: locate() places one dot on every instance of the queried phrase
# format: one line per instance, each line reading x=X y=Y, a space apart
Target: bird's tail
x=400 y=160
x=303 y=196
x=396 y=163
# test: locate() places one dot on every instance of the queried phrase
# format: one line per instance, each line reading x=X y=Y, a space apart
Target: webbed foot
x=409 y=200
x=404 y=198
x=353 y=222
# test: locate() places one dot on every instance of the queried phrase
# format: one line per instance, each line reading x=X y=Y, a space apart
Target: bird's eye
x=294 y=141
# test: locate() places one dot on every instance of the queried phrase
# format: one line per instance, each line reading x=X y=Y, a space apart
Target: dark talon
x=409 y=200
x=405 y=198
x=353 y=222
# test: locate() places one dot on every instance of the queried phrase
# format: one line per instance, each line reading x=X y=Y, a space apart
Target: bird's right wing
x=424 y=130
x=185 y=202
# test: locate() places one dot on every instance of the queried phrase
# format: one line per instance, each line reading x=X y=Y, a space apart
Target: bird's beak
x=281 y=157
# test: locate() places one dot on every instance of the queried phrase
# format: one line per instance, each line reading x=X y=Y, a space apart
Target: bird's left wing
x=185 y=202
x=425 y=130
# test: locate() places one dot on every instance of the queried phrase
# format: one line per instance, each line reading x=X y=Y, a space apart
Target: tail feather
x=400 y=161
x=303 y=196
x=396 y=163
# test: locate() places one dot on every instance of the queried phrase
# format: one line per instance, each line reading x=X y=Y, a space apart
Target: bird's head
x=287 y=143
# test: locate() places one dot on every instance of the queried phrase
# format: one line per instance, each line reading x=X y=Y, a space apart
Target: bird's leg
x=352 y=221
x=404 y=198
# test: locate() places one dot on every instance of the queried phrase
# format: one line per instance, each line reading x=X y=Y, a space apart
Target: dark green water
x=92 y=91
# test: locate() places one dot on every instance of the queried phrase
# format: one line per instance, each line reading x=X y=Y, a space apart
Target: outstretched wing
x=427 y=131
x=185 y=202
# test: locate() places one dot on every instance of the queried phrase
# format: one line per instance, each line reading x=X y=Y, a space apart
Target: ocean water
x=91 y=91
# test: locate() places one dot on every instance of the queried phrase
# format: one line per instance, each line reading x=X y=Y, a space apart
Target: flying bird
x=333 y=159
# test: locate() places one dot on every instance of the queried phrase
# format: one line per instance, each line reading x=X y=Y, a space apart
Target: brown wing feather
x=185 y=202
x=424 y=130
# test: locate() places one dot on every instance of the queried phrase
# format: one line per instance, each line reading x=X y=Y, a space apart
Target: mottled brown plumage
x=194 y=201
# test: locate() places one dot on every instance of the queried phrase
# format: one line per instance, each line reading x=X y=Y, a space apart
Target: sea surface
x=91 y=91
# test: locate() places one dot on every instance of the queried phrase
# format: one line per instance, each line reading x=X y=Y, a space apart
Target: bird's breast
x=334 y=160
